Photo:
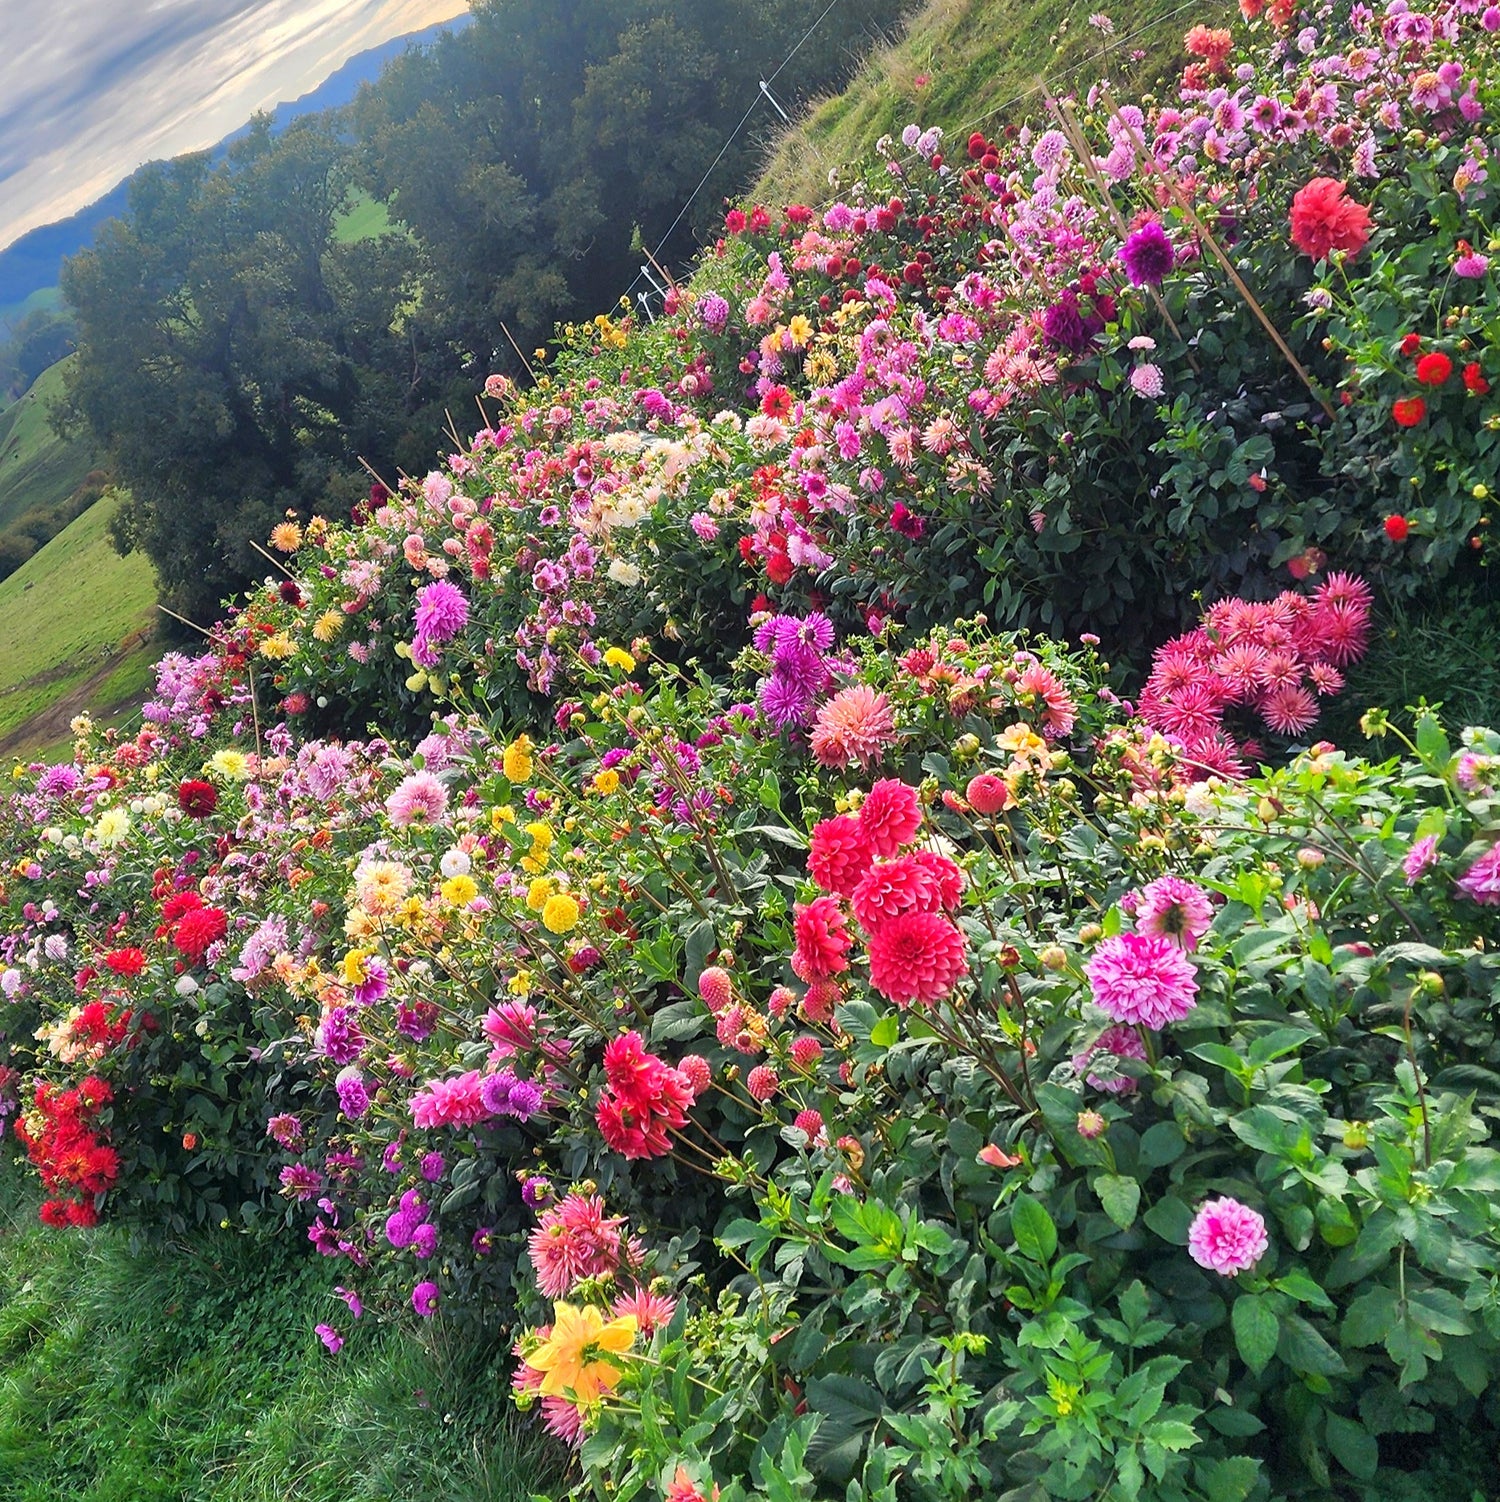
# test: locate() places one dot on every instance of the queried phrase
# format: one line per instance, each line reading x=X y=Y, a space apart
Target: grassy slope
x=963 y=64
x=37 y=468
x=75 y=614
x=192 y=1372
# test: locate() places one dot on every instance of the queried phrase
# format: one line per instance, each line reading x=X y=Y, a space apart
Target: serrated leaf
x=1256 y=1330
x=1120 y=1197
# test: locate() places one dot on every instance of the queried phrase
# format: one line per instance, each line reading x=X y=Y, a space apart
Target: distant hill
x=32 y=262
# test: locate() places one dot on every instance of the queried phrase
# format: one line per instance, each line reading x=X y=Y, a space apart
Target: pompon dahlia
x=1481 y=882
x=840 y=854
x=917 y=957
x=822 y=940
x=1174 y=909
x=1227 y=1237
x=891 y=816
x=1142 y=979
x=854 y=726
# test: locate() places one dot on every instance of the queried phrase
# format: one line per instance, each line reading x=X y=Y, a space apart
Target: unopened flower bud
x=1091 y=1125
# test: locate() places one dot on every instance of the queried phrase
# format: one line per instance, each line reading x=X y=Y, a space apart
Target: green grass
x=365 y=218
x=72 y=618
x=38 y=470
x=191 y=1373
x=967 y=64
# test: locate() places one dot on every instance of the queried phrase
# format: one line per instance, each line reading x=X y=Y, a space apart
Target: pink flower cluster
x=1271 y=658
x=644 y=1098
x=574 y=1240
x=900 y=898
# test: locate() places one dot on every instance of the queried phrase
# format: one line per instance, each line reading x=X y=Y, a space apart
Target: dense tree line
x=238 y=358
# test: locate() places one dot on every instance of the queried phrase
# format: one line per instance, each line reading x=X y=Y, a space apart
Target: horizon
x=92 y=94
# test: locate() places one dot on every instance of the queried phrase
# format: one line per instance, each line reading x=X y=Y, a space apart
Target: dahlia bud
x=1357 y=1136
x=1430 y=983
x=1053 y=957
x=1090 y=932
x=1091 y=1125
x=1310 y=859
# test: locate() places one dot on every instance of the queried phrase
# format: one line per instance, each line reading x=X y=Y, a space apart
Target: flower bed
x=850 y=1042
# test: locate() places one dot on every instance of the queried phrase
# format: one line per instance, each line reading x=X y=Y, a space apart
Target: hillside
x=75 y=628
x=38 y=470
x=964 y=63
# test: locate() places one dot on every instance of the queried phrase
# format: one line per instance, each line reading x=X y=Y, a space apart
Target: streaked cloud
x=90 y=89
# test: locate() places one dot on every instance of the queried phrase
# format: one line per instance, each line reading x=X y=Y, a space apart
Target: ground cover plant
x=651 y=887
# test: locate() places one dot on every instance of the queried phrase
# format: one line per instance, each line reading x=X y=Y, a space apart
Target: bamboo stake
x=1193 y=218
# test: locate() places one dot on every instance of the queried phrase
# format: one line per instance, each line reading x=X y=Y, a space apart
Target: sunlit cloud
x=90 y=89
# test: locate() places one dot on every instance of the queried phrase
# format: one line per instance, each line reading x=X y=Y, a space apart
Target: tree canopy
x=238 y=357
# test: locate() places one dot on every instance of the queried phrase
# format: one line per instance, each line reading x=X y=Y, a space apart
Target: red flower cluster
x=190 y=925
x=1326 y=219
x=900 y=900
x=643 y=1099
x=65 y=1148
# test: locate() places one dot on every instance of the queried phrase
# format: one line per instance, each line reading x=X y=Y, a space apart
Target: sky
x=90 y=89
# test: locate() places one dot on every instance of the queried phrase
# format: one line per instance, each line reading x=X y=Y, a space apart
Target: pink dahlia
x=1227 y=1237
x=917 y=957
x=890 y=816
x=1481 y=882
x=420 y=798
x=1173 y=909
x=454 y=1102
x=854 y=725
x=1057 y=712
x=822 y=939
x=1288 y=709
x=1143 y=979
x=840 y=854
x=1419 y=859
x=891 y=888
x=1118 y=1042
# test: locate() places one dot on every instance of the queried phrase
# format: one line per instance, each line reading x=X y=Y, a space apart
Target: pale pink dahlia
x=1143 y=979
x=917 y=957
x=1173 y=909
x=1481 y=882
x=1227 y=1237
x=420 y=798
x=890 y=816
x=854 y=725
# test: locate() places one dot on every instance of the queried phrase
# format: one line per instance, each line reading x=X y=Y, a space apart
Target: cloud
x=90 y=89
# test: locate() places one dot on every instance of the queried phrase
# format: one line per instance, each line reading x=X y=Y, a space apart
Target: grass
x=73 y=618
x=38 y=470
x=365 y=218
x=191 y=1373
x=44 y=299
x=967 y=64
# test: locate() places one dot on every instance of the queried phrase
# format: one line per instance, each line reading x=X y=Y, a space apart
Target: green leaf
x=1121 y=1198
x=1353 y=1447
x=1304 y=1350
x=1162 y=1144
x=1256 y=1330
x=1170 y=1219
x=886 y=1031
x=1032 y=1227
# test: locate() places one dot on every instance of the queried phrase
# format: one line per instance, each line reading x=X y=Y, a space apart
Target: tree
x=235 y=360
